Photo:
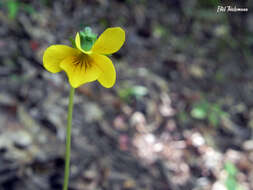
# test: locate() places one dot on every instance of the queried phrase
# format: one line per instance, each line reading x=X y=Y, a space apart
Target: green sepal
x=71 y=39
x=88 y=38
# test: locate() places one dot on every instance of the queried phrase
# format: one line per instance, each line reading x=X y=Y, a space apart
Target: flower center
x=82 y=61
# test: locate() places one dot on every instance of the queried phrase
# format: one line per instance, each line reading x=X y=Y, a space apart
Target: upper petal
x=54 y=54
x=107 y=77
x=80 y=69
x=78 y=44
x=109 y=41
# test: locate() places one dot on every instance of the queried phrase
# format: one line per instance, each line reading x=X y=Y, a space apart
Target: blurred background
x=180 y=116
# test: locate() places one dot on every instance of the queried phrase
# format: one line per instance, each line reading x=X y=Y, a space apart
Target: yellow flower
x=86 y=66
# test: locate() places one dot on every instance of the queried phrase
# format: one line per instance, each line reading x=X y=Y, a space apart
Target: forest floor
x=180 y=116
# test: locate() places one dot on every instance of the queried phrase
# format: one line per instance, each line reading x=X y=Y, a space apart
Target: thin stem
x=68 y=139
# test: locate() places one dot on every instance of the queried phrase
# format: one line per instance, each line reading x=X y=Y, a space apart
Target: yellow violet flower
x=86 y=66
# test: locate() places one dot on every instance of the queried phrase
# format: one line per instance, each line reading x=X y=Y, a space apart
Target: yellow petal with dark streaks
x=55 y=54
x=80 y=70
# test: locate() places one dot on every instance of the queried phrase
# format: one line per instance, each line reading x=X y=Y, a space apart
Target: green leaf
x=231 y=183
x=200 y=110
x=159 y=31
x=12 y=7
x=133 y=91
x=28 y=8
x=213 y=118
x=198 y=113
x=230 y=168
x=139 y=91
x=124 y=93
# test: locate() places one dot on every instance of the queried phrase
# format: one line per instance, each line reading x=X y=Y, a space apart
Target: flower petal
x=80 y=69
x=107 y=77
x=78 y=44
x=53 y=56
x=109 y=41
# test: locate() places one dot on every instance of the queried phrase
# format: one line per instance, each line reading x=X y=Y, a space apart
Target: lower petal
x=55 y=54
x=80 y=70
x=107 y=77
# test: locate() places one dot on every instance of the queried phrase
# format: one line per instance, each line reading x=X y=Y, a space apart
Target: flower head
x=86 y=62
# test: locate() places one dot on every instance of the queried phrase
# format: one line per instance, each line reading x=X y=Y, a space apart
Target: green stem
x=68 y=139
